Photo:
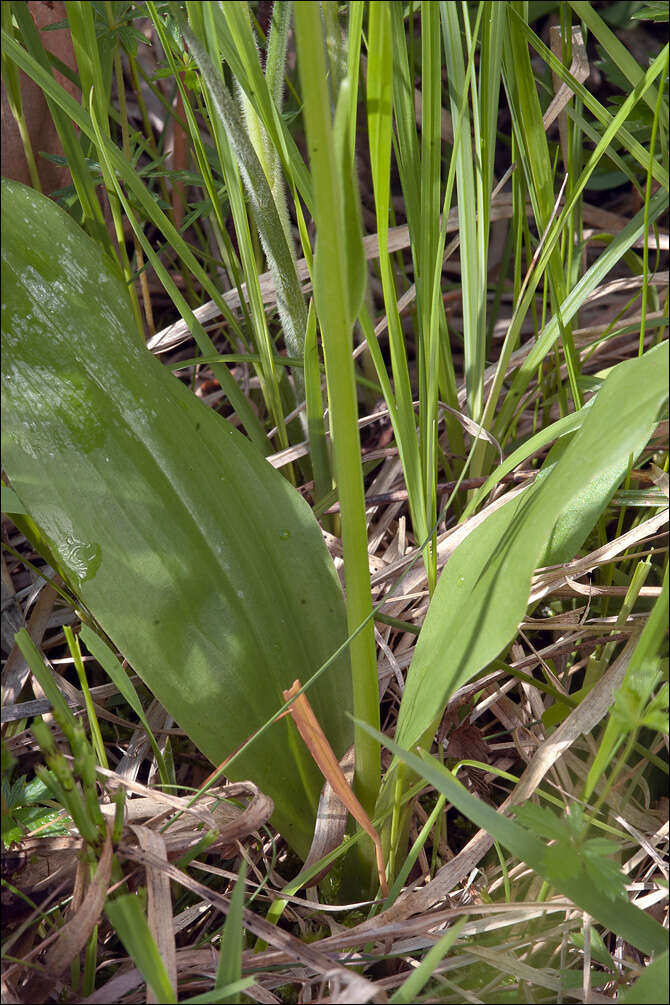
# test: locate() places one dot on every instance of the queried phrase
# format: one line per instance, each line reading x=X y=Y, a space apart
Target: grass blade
x=618 y=914
x=229 y=968
x=130 y=924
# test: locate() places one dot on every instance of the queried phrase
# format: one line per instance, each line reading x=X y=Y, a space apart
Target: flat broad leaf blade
x=652 y=985
x=483 y=592
x=202 y=564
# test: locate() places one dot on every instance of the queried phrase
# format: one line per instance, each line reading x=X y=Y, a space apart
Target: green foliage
x=106 y=658
x=229 y=968
x=72 y=786
x=587 y=892
x=26 y=807
x=634 y=707
x=144 y=478
x=484 y=589
x=413 y=985
x=194 y=558
x=633 y=702
x=653 y=984
x=657 y=11
x=338 y=259
x=11 y=502
x=126 y=914
x=571 y=852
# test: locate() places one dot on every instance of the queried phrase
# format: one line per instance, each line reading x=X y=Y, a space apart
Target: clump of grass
x=447 y=224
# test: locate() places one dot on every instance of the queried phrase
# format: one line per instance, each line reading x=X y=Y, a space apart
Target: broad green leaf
x=10 y=501
x=652 y=985
x=617 y=914
x=482 y=593
x=200 y=562
x=583 y=509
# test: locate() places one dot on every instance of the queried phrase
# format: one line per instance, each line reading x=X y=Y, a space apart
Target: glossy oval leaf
x=201 y=563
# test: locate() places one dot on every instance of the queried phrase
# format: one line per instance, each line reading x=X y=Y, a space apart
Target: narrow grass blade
x=617 y=51
x=412 y=986
x=574 y=300
x=110 y=664
x=238 y=49
x=229 y=968
x=399 y=400
x=94 y=725
x=617 y=914
x=641 y=670
x=12 y=89
x=533 y=148
x=226 y=993
x=93 y=219
x=127 y=174
x=631 y=145
x=281 y=261
x=128 y=920
x=472 y=212
x=316 y=427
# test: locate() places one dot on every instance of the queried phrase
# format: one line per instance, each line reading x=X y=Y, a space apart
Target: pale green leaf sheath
x=200 y=562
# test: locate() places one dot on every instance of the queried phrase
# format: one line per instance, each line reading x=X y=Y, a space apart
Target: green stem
x=334 y=301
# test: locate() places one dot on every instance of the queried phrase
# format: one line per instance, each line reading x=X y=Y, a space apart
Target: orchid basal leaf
x=483 y=592
x=201 y=563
